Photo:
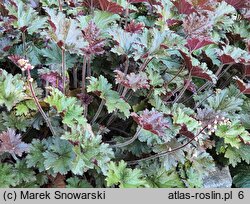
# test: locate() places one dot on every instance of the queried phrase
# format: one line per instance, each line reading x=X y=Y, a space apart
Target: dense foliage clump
x=123 y=93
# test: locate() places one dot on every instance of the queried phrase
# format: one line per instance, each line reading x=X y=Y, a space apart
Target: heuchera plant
x=128 y=93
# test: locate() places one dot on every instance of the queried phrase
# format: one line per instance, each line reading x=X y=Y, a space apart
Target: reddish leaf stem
x=38 y=104
x=166 y=152
x=63 y=71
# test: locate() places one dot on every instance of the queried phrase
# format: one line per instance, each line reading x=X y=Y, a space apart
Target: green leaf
x=158 y=177
x=53 y=55
x=15 y=122
x=7 y=178
x=236 y=155
x=11 y=89
x=27 y=17
x=59 y=156
x=75 y=182
x=112 y=98
x=95 y=154
x=242 y=177
x=194 y=178
x=102 y=19
x=22 y=173
x=225 y=101
x=180 y=117
x=35 y=156
x=232 y=134
x=123 y=176
x=30 y=51
x=69 y=107
x=65 y=31
x=224 y=15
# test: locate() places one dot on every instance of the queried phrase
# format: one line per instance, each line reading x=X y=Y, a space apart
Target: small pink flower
x=24 y=64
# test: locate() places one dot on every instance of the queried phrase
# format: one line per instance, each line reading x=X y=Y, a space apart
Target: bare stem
x=60 y=5
x=75 y=77
x=119 y=145
x=38 y=105
x=110 y=120
x=177 y=74
x=98 y=111
x=183 y=90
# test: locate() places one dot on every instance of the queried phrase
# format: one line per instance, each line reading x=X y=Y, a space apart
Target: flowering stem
x=146 y=62
x=168 y=151
x=63 y=71
x=60 y=5
x=183 y=90
x=125 y=74
x=75 y=77
x=88 y=67
x=177 y=74
x=84 y=74
x=126 y=15
x=24 y=48
x=124 y=92
x=119 y=145
x=38 y=104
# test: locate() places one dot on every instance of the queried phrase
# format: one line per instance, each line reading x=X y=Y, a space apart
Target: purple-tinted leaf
x=195 y=70
x=244 y=87
x=134 y=27
x=184 y=7
x=203 y=4
x=54 y=79
x=191 y=86
x=173 y=22
x=197 y=25
x=132 y=81
x=137 y=1
x=11 y=142
x=152 y=121
x=95 y=43
x=187 y=60
x=206 y=116
x=91 y=3
x=86 y=99
x=226 y=59
x=104 y=5
x=200 y=73
x=196 y=43
x=110 y=6
x=238 y=4
x=184 y=131
x=247 y=70
x=34 y=3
